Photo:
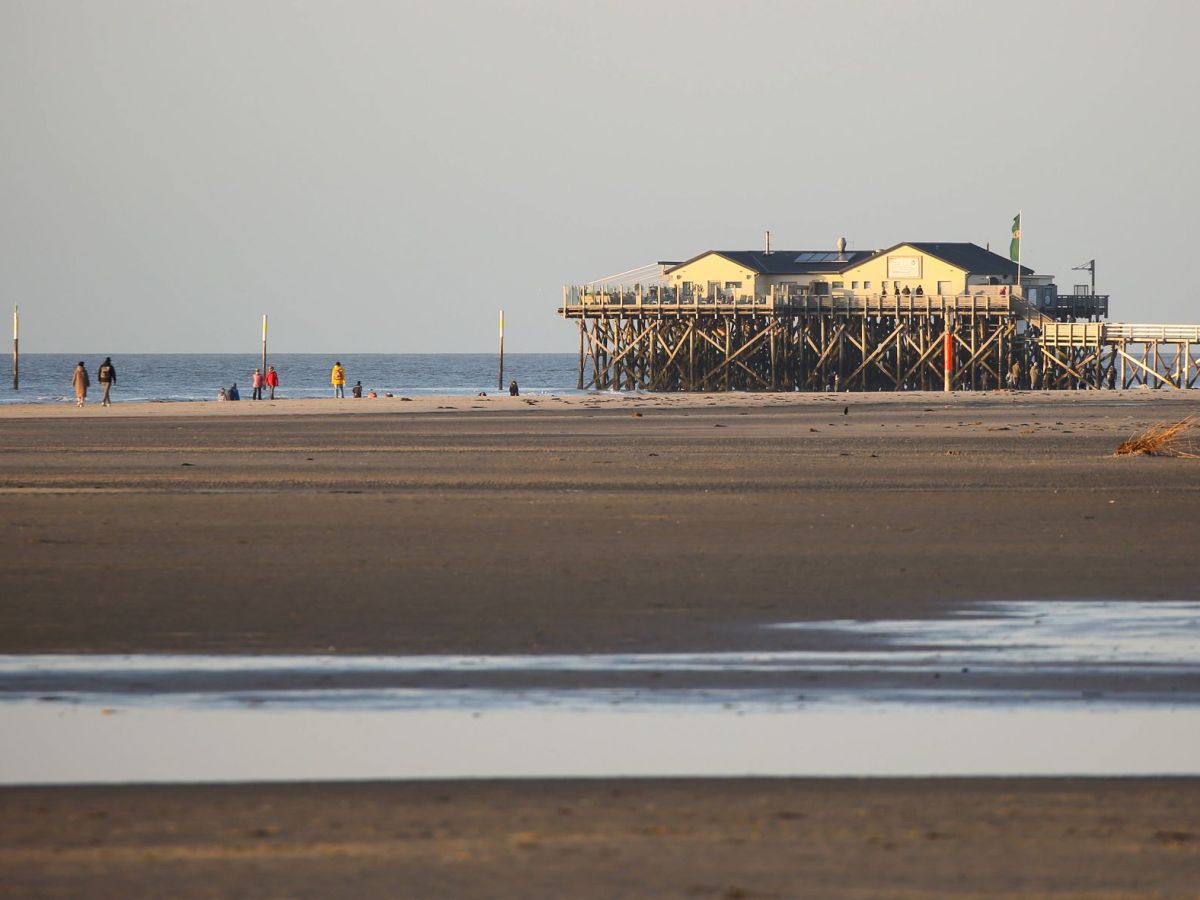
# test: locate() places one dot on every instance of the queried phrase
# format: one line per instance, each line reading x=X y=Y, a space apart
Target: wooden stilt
x=633 y=339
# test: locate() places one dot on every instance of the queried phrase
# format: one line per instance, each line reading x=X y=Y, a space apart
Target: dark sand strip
x=920 y=838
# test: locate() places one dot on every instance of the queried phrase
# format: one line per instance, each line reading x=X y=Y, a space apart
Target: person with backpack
x=337 y=377
x=107 y=376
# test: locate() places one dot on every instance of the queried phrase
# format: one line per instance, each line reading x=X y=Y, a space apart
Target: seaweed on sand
x=1162 y=440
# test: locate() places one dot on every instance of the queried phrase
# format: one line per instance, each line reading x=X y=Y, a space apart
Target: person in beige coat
x=81 y=383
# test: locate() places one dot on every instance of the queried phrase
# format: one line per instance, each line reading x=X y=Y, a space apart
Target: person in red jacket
x=272 y=381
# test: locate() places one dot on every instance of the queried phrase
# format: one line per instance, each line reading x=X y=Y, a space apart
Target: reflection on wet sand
x=95 y=744
x=1095 y=688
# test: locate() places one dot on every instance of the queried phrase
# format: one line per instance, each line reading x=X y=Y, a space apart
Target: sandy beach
x=570 y=525
x=677 y=839
x=584 y=525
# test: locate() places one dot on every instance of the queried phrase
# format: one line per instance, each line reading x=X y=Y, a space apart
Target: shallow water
x=1087 y=688
x=93 y=744
x=46 y=377
x=1012 y=652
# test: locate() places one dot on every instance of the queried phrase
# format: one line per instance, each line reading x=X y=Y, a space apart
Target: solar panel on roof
x=818 y=256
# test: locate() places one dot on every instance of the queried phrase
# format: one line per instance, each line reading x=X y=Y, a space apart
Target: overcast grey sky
x=383 y=176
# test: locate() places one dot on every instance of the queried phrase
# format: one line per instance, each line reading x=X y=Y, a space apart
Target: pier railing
x=1076 y=306
x=585 y=301
x=1183 y=334
x=1119 y=354
x=1093 y=334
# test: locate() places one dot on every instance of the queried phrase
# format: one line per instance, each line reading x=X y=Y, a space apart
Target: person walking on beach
x=107 y=376
x=81 y=383
x=272 y=381
x=256 y=382
x=337 y=377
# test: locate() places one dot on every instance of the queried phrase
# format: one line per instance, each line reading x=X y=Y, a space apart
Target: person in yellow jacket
x=337 y=377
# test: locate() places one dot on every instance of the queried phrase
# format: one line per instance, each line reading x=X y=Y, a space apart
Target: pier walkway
x=658 y=338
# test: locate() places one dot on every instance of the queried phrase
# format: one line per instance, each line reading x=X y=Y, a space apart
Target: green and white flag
x=1014 y=247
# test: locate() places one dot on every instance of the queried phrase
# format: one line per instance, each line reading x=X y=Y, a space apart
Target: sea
x=173 y=377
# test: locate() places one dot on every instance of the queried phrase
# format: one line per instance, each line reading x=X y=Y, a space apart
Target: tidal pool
x=1095 y=688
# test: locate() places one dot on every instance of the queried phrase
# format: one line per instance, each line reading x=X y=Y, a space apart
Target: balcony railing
x=587 y=300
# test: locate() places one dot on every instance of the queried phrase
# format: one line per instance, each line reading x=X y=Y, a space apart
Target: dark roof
x=970 y=257
x=787 y=262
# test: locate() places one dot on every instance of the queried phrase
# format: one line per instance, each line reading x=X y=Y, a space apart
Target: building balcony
x=585 y=301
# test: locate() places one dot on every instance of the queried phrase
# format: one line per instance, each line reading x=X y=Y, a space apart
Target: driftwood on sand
x=1162 y=440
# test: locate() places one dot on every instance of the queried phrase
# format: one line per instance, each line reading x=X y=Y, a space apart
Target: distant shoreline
x=499 y=401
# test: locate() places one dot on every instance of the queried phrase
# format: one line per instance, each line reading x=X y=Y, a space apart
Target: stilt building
x=915 y=316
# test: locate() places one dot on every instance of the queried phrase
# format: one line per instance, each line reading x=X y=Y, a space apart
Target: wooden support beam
x=877 y=352
x=1146 y=369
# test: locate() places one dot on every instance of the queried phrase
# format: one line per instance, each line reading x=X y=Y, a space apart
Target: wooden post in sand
x=500 y=380
x=16 y=346
x=580 y=385
x=948 y=354
x=263 y=370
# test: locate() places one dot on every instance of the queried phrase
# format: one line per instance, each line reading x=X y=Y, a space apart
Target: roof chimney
x=841 y=248
x=768 y=250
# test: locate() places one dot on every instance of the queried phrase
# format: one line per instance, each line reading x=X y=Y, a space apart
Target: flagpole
x=1020 y=242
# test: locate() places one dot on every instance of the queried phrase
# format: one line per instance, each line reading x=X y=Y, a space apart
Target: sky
x=387 y=176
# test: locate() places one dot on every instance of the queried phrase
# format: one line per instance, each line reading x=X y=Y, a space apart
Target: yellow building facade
x=934 y=268
x=906 y=266
x=717 y=270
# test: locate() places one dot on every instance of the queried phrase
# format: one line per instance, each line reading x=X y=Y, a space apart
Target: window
x=866 y=285
x=730 y=285
x=838 y=285
x=854 y=285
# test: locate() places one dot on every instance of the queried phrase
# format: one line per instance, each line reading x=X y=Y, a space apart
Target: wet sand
x=580 y=839
x=573 y=526
x=551 y=525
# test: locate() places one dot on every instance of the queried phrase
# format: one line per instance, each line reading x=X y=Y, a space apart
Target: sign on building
x=904 y=267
